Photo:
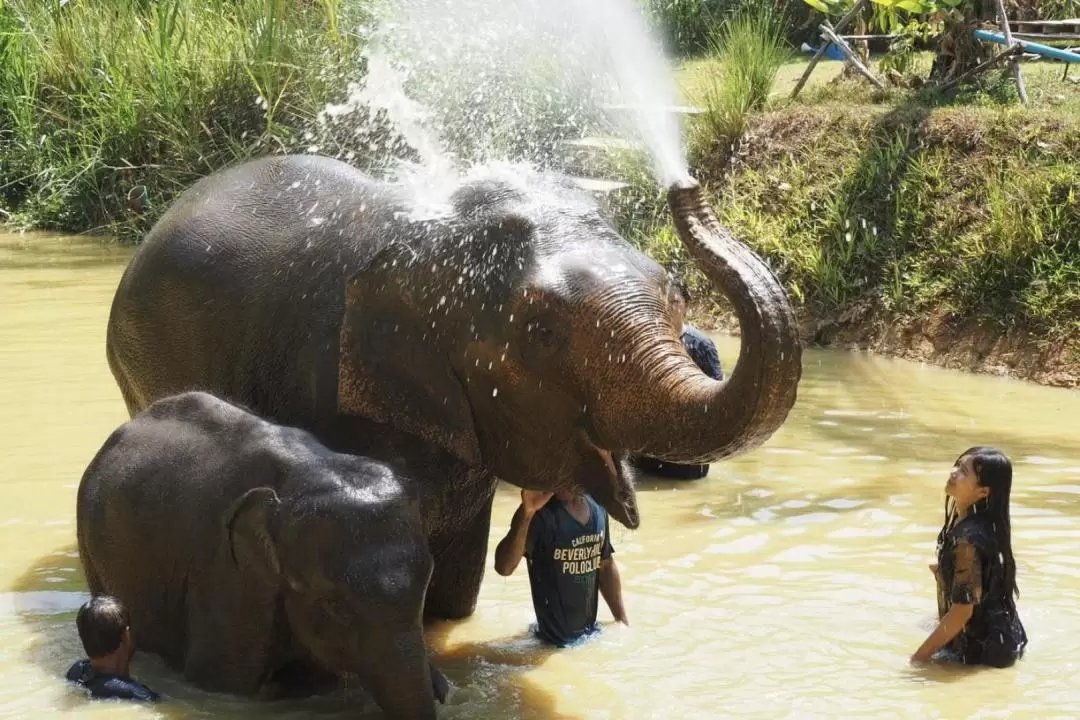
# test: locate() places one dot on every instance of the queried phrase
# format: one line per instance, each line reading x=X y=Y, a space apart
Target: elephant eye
x=335 y=608
x=540 y=334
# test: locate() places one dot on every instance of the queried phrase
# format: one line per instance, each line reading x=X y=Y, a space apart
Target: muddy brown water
x=792 y=582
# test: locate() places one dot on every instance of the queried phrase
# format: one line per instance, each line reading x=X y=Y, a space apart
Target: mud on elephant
x=254 y=560
x=501 y=330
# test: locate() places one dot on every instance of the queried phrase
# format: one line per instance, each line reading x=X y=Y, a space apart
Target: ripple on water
x=41 y=602
x=1064 y=489
x=843 y=503
x=745 y=544
x=1040 y=460
x=811 y=518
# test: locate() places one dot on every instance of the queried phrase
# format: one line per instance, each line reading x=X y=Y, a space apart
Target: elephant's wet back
x=794 y=577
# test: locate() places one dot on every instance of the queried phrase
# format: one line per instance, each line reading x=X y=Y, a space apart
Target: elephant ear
x=247 y=530
x=391 y=368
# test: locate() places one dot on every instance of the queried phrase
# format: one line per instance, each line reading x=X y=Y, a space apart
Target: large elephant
x=251 y=558
x=501 y=329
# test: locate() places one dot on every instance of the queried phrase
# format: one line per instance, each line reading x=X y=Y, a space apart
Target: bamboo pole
x=821 y=50
x=1014 y=64
x=846 y=49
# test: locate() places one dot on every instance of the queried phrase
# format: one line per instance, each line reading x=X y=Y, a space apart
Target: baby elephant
x=251 y=557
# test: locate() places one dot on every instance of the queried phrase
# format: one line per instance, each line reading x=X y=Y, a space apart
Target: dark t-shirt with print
x=107 y=686
x=564 y=558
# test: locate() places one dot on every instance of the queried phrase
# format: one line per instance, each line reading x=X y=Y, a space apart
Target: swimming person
x=564 y=538
x=106 y=637
x=975 y=571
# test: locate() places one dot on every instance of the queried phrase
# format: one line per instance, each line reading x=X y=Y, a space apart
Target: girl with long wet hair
x=976 y=574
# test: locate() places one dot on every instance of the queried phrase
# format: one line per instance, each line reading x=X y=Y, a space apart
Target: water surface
x=792 y=582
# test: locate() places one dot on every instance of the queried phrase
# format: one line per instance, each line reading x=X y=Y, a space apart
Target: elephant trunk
x=696 y=418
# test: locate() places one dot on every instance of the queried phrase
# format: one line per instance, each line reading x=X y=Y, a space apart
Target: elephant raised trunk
x=698 y=419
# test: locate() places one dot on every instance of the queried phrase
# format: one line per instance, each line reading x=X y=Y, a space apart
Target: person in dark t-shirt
x=975 y=573
x=106 y=637
x=702 y=350
x=564 y=538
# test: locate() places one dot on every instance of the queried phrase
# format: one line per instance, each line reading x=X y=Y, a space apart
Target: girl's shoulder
x=975 y=531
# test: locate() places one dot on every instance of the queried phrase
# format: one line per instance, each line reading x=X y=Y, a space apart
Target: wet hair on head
x=994 y=471
x=680 y=283
x=101 y=621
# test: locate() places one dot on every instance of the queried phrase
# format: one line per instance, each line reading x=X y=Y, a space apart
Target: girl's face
x=963 y=485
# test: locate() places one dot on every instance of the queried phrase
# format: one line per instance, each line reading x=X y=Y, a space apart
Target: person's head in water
x=980 y=484
x=105 y=632
x=682 y=299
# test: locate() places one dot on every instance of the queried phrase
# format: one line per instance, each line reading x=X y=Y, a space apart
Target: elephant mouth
x=607 y=478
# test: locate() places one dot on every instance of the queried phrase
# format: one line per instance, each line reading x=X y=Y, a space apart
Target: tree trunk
x=958 y=50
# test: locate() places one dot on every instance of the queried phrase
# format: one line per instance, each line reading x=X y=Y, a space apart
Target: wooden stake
x=1014 y=64
x=846 y=49
x=821 y=50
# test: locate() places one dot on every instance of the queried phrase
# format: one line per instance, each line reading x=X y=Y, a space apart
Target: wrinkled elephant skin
x=502 y=331
x=248 y=553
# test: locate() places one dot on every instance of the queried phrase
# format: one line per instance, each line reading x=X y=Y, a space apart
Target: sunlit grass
x=908 y=200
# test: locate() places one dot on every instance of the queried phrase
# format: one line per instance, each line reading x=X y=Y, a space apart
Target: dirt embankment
x=941 y=339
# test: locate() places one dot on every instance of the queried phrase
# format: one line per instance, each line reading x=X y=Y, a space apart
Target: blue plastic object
x=1037 y=48
x=833 y=52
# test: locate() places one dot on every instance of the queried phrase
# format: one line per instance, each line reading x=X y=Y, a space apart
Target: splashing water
x=473 y=81
x=384 y=89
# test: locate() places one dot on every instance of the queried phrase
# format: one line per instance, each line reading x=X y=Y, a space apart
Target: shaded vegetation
x=108 y=109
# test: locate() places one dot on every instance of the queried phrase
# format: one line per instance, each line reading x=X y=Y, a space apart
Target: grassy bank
x=905 y=205
x=108 y=108
x=893 y=206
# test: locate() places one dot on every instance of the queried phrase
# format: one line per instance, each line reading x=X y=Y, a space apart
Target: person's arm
x=511 y=549
x=610 y=582
x=611 y=589
x=947 y=628
x=965 y=594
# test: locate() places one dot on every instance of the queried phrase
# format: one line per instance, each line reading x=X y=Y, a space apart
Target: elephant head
x=353 y=597
x=522 y=333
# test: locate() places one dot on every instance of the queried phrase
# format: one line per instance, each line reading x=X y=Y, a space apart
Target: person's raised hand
x=533 y=500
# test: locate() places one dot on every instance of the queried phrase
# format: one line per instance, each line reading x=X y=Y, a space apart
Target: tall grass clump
x=108 y=108
x=748 y=49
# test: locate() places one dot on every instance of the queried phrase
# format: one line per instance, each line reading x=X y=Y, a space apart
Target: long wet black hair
x=994 y=470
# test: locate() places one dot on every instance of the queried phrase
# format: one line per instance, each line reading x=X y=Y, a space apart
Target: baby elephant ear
x=247 y=529
x=391 y=367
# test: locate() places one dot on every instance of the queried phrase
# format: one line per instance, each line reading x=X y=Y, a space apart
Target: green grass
x=908 y=200
x=102 y=98
x=748 y=49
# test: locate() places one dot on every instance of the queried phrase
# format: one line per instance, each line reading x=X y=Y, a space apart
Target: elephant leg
x=228 y=641
x=300 y=679
x=460 y=558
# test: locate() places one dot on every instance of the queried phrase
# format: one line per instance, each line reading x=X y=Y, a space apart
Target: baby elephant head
x=352 y=574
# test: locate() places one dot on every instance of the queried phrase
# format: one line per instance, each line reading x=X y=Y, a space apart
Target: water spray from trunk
x=488 y=80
